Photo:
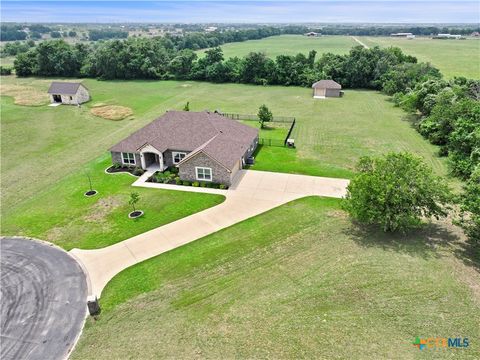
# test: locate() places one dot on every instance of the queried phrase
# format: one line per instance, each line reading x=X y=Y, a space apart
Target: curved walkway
x=253 y=193
x=43 y=300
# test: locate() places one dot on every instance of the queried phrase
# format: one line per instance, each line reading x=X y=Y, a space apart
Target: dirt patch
x=112 y=112
x=24 y=95
x=102 y=208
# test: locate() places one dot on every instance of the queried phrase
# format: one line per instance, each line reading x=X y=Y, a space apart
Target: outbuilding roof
x=222 y=139
x=67 y=88
x=327 y=84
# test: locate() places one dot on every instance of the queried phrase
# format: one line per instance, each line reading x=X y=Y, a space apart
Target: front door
x=57 y=98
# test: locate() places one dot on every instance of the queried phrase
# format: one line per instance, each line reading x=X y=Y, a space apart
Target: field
x=301 y=275
x=312 y=286
x=289 y=45
x=7 y=61
x=41 y=145
x=452 y=57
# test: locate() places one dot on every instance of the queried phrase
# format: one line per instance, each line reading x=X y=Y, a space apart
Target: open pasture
x=451 y=57
x=289 y=45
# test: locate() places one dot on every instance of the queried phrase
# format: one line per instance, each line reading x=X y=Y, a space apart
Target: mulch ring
x=135 y=214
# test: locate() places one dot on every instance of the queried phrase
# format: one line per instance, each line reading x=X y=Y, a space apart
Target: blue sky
x=406 y=11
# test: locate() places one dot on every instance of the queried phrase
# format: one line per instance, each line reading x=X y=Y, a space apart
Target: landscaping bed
x=170 y=176
x=118 y=168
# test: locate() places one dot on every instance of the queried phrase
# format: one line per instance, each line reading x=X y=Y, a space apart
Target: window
x=178 y=156
x=71 y=98
x=128 y=158
x=204 y=174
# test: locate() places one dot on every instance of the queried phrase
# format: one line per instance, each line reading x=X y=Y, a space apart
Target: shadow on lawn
x=428 y=241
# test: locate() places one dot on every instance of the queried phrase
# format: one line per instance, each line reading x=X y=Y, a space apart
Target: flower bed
x=170 y=176
x=132 y=170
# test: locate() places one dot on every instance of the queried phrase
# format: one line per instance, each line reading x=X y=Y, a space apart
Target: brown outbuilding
x=326 y=88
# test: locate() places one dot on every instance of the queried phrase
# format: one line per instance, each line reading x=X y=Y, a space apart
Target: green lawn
x=297 y=282
x=452 y=57
x=41 y=145
x=289 y=45
x=63 y=215
x=273 y=130
x=7 y=61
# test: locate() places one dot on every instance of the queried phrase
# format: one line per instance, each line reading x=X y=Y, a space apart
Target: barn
x=70 y=93
x=326 y=88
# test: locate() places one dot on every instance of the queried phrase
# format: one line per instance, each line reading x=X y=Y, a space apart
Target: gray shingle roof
x=67 y=88
x=327 y=84
x=223 y=139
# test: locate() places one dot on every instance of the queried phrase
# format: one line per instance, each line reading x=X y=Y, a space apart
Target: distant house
x=68 y=93
x=311 y=33
x=402 y=34
x=447 y=36
x=326 y=88
x=205 y=146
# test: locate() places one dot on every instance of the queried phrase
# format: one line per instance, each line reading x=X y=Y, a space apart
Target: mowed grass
x=288 y=45
x=63 y=215
x=271 y=130
x=41 y=145
x=297 y=282
x=451 y=57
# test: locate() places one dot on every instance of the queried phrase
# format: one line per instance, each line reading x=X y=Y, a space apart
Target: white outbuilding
x=69 y=93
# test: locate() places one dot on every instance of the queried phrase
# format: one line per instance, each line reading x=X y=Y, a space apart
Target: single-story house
x=326 y=88
x=68 y=93
x=205 y=146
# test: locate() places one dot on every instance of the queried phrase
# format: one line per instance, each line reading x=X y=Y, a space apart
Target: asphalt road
x=43 y=300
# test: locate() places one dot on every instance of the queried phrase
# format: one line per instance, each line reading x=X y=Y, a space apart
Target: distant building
x=447 y=36
x=402 y=34
x=326 y=88
x=312 y=33
x=211 y=29
x=475 y=34
x=70 y=93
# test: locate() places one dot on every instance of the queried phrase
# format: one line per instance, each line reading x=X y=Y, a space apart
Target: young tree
x=89 y=180
x=396 y=191
x=134 y=198
x=187 y=106
x=264 y=115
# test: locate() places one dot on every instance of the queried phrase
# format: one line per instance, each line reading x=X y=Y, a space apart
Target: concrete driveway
x=43 y=300
x=253 y=193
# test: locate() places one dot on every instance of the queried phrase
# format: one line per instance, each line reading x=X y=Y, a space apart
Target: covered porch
x=151 y=159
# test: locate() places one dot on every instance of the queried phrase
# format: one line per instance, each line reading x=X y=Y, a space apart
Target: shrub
x=196 y=184
x=186 y=183
x=138 y=171
x=223 y=187
x=5 y=70
x=178 y=181
x=166 y=173
x=202 y=184
x=396 y=191
x=117 y=166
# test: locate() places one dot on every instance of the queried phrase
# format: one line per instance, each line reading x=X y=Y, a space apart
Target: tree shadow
x=429 y=241
x=413 y=120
